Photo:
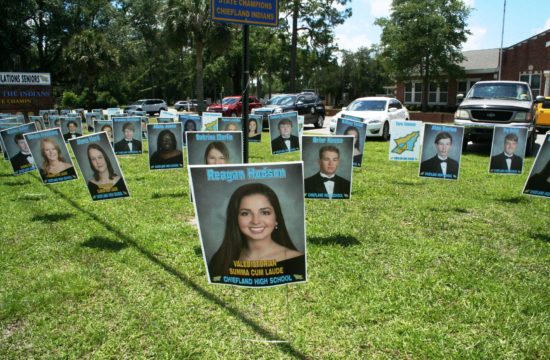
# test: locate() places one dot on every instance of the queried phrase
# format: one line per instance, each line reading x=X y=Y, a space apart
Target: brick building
x=528 y=61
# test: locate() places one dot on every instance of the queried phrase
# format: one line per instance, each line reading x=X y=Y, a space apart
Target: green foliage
x=70 y=100
x=424 y=37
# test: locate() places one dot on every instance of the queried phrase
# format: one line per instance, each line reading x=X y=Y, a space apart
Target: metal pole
x=246 y=76
x=501 y=42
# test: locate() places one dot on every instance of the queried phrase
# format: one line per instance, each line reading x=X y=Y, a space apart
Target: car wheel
x=320 y=121
x=386 y=131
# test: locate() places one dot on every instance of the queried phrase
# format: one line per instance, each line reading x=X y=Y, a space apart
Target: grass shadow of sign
x=173 y=195
x=342 y=240
x=514 y=199
x=51 y=218
x=541 y=237
x=103 y=243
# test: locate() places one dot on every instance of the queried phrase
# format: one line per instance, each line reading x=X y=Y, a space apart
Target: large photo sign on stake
x=51 y=156
x=441 y=151
x=17 y=149
x=328 y=166
x=127 y=135
x=190 y=123
x=508 y=150
x=405 y=140
x=230 y=124
x=105 y=125
x=71 y=127
x=214 y=147
x=255 y=127
x=165 y=146
x=284 y=132
x=358 y=130
x=99 y=165
x=538 y=182
x=251 y=222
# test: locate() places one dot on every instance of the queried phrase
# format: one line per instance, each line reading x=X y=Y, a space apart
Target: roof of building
x=476 y=60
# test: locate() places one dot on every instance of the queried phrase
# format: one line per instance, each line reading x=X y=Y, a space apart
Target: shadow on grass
x=198 y=251
x=513 y=200
x=541 y=237
x=185 y=280
x=103 y=243
x=409 y=183
x=18 y=183
x=160 y=196
x=457 y=210
x=52 y=218
x=342 y=240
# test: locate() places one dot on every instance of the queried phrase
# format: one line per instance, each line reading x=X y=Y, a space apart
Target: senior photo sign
x=100 y=169
x=508 y=150
x=441 y=151
x=358 y=129
x=165 y=146
x=328 y=166
x=251 y=221
x=538 y=183
x=284 y=132
x=17 y=149
x=405 y=140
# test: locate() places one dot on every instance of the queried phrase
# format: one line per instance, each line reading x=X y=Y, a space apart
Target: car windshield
x=139 y=102
x=229 y=101
x=518 y=92
x=282 y=100
x=367 y=105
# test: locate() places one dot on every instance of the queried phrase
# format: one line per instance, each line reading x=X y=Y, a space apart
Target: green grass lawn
x=409 y=268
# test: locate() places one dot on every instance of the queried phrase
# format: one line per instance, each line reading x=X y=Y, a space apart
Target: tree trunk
x=294 y=45
x=425 y=86
x=199 y=83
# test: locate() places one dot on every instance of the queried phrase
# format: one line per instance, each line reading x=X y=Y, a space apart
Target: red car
x=233 y=105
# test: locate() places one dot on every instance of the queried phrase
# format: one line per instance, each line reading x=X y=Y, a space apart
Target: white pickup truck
x=490 y=103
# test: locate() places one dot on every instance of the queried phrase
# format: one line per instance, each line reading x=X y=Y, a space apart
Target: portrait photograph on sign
x=55 y=121
x=405 y=140
x=255 y=124
x=51 y=156
x=357 y=129
x=251 y=222
x=508 y=150
x=214 y=147
x=538 y=182
x=165 y=146
x=71 y=127
x=230 y=124
x=210 y=121
x=99 y=166
x=441 y=151
x=4 y=126
x=127 y=135
x=91 y=118
x=17 y=149
x=105 y=125
x=38 y=122
x=284 y=132
x=328 y=166
x=190 y=123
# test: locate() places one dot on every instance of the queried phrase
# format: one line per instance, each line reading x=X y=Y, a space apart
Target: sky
x=524 y=18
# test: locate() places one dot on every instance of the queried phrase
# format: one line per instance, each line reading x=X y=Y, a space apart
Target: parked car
x=150 y=106
x=189 y=105
x=377 y=113
x=543 y=114
x=233 y=105
x=490 y=103
x=307 y=104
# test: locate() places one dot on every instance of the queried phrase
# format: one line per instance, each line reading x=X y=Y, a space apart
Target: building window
x=534 y=82
x=413 y=92
x=438 y=93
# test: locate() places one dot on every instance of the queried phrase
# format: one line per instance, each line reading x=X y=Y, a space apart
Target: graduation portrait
x=441 y=151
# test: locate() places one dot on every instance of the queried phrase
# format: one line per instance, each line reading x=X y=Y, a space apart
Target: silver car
x=150 y=106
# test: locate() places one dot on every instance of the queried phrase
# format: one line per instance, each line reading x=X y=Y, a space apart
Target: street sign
x=246 y=12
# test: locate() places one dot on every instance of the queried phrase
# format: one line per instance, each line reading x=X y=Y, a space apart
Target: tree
x=317 y=19
x=423 y=38
x=188 y=25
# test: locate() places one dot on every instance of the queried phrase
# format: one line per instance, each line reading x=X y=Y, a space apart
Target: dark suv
x=308 y=104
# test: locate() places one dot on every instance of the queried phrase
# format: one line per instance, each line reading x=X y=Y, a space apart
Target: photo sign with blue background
x=250 y=12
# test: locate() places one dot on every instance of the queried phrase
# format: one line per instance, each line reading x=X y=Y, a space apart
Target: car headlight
x=376 y=121
x=278 y=111
x=522 y=116
x=462 y=114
